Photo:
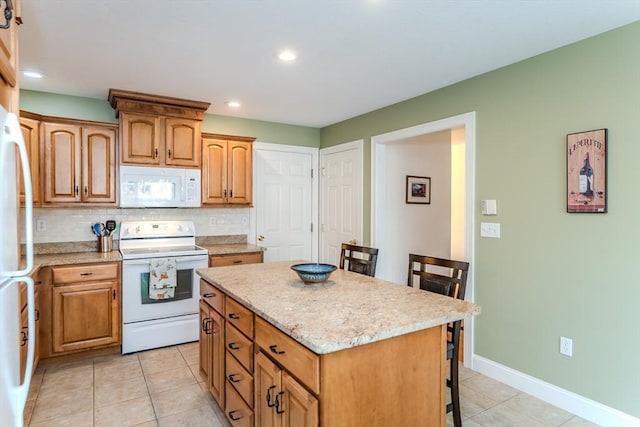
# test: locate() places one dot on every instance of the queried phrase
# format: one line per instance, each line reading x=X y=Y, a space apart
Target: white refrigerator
x=13 y=394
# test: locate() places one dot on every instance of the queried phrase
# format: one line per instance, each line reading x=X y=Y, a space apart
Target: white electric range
x=151 y=323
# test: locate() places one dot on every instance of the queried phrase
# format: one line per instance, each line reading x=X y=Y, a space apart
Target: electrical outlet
x=41 y=225
x=566 y=346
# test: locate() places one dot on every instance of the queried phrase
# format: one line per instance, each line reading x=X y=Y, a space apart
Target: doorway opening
x=444 y=151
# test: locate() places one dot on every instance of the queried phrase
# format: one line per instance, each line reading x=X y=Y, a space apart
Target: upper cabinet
x=158 y=130
x=79 y=163
x=227 y=170
x=9 y=54
x=31 y=134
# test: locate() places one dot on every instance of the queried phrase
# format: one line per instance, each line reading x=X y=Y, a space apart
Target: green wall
x=76 y=107
x=551 y=273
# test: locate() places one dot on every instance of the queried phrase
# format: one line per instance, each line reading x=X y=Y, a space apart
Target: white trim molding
x=576 y=404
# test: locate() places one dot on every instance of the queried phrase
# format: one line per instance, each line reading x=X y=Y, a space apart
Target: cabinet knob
x=233 y=416
x=353 y=241
x=260 y=238
x=233 y=346
x=233 y=378
x=234 y=316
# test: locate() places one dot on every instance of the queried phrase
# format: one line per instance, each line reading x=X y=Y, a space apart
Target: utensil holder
x=105 y=243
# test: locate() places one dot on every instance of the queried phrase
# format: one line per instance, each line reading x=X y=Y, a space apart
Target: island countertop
x=346 y=311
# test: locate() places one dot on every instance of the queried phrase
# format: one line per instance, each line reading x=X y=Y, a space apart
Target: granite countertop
x=346 y=311
x=232 y=248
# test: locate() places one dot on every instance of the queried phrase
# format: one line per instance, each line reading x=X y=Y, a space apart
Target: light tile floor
x=163 y=388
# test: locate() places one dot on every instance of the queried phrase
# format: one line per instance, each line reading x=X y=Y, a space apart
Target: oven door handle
x=146 y=261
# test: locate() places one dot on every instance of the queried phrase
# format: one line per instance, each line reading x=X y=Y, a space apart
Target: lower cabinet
x=85 y=308
x=280 y=399
x=212 y=351
x=236 y=259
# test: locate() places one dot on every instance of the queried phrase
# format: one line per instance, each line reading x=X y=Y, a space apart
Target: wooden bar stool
x=359 y=259
x=446 y=277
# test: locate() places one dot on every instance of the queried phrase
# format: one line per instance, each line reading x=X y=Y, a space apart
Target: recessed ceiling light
x=233 y=104
x=33 y=74
x=287 y=55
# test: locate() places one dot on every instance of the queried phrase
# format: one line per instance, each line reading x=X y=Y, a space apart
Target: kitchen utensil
x=98 y=229
x=313 y=273
x=110 y=225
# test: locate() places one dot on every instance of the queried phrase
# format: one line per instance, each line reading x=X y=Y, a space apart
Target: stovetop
x=162 y=251
x=157 y=239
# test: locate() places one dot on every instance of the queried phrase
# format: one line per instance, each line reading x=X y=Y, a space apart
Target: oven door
x=136 y=304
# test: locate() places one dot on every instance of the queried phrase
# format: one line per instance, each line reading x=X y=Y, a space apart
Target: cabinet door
x=267 y=385
x=298 y=407
x=8 y=50
x=217 y=377
x=140 y=139
x=182 y=142
x=98 y=164
x=214 y=171
x=61 y=163
x=85 y=315
x=31 y=134
x=205 y=342
x=239 y=173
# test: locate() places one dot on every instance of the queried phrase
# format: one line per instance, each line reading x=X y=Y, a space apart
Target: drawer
x=236 y=410
x=239 y=346
x=84 y=273
x=291 y=355
x=212 y=296
x=235 y=259
x=240 y=379
x=239 y=316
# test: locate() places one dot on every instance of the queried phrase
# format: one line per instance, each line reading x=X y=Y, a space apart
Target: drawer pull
x=232 y=416
x=269 y=404
x=25 y=338
x=238 y=261
x=233 y=346
x=278 y=403
x=208 y=295
x=88 y=273
x=206 y=325
x=234 y=316
x=37 y=314
x=233 y=378
x=274 y=349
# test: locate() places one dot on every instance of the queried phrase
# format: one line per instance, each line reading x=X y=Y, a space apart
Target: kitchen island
x=353 y=351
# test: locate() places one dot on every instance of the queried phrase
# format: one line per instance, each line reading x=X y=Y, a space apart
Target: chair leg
x=455 y=391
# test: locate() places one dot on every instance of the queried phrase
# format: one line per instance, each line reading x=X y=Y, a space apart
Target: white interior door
x=285 y=202
x=341 y=198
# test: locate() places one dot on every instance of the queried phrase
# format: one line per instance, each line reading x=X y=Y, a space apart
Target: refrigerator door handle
x=13 y=135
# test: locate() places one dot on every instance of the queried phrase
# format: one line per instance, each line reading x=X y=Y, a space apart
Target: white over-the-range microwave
x=158 y=187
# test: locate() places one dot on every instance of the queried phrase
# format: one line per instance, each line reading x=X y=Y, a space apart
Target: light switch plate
x=490 y=229
x=489 y=207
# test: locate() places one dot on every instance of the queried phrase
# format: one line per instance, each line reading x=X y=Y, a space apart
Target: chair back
x=359 y=259
x=440 y=275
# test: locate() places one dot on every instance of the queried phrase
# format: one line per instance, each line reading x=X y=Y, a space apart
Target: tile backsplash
x=74 y=224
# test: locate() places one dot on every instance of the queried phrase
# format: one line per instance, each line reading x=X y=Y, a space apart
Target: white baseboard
x=569 y=401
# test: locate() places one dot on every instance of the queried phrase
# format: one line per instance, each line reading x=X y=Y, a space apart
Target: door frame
x=359 y=146
x=266 y=146
x=379 y=145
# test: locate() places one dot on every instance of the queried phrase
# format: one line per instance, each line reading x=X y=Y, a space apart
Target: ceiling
x=354 y=56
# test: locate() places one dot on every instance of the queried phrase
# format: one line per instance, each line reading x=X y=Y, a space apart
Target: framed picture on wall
x=418 y=190
x=587 y=171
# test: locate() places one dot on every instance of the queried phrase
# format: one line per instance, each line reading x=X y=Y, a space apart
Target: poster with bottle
x=587 y=171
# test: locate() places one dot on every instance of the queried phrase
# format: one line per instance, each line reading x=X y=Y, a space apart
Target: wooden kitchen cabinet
x=31 y=134
x=23 y=334
x=85 y=307
x=236 y=259
x=280 y=400
x=212 y=350
x=9 y=59
x=227 y=170
x=158 y=130
x=79 y=163
x=160 y=141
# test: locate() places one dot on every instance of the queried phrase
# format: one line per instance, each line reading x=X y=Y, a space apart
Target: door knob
x=260 y=238
x=353 y=241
